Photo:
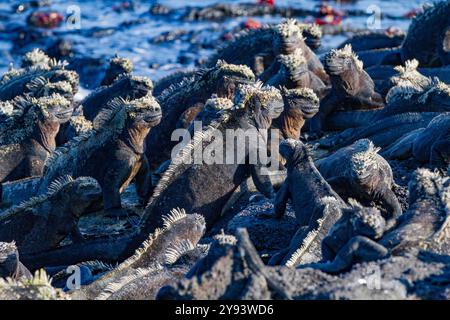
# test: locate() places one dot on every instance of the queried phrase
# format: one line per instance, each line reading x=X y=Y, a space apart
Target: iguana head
x=77 y=194
x=304 y=100
x=312 y=33
x=293 y=65
x=143 y=112
x=117 y=66
x=294 y=151
x=366 y=221
x=41 y=87
x=340 y=61
x=137 y=86
x=437 y=94
x=35 y=58
x=364 y=162
x=9 y=258
x=408 y=75
x=288 y=37
x=226 y=77
x=54 y=108
x=261 y=104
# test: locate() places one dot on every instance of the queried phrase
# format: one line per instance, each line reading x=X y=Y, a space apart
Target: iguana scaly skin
x=299 y=104
x=359 y=221
x=126 y=86
x=40 y=223
x=359 y=172
x=383 y=132
x=117 y=66
x=409 y=91
x=139 y=276
x=37 y=288
x=425 y=225
x=181 y=102
x=27 y=136
x=172 y=79
x=317 y=206
x=35 y=58
x=352 y=87
x=370 y=40
x=253 y=110
x=10 y=265
x=424 y=35
x=112 y=152
x=269 y=41
x=432 y=145
x=294 y=73
x=231 y=270
x=39 y=81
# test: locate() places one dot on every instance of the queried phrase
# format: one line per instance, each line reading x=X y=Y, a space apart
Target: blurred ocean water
x=158 y=59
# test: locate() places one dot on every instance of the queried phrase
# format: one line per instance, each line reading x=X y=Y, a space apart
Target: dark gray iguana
x=181 y=102
x=10 y=265
x=112 y=153
x=39 y=81
x=427 y=145
x=299 y=105
x=42 y=222
x=359 y=172
x=425 y=35
x=294 y=73
x=317 y=206
x=268 y=42
x=28 y=128
x=252 y=112
x=352 y=87
x=117 y=66
x=153 y=264
x=126 y=86
x=423 y=226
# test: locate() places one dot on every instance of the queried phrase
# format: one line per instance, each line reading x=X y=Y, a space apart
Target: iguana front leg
x=327 y=106
x=340 y=185
x=440 y=153
x=358 y=249
x=262 y=181
x=144 y=185
x=114 y=178
x=390 y=202
x=281 y=199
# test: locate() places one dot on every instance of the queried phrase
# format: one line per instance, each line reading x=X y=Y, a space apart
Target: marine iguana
x=371 y=40
x=10 y=266
x=352 y=88
x=27 y=137
x=112 y=152
x=35 y=58
x=317 y=206
x=38 y=81
x=383 y=132
x=172 y=79
x=294 y=73
x=42 y=222
x=151 y=266
x=425 y=35
x=423 y=226
x=409 y=91
x=39 y=287
x=359 y=221
x=252 y=113
x=231 y=270
x=359 y=172
x=269 y=41
x=182 y=102
x=299 y=104
x=117 y=66
x=125 y=86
